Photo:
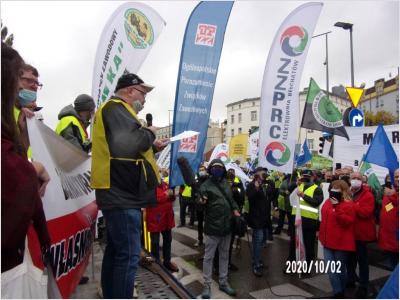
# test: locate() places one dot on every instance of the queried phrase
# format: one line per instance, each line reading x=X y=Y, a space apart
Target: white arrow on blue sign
x=356 y=118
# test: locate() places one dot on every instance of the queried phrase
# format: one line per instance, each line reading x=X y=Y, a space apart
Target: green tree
x=7 y=39
x=385 y=117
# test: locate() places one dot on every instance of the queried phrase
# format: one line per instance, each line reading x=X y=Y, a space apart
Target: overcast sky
x=60 y=39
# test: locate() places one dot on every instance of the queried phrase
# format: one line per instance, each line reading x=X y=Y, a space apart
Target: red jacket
x=364 y=204
x=21 y=206
x=336 y=231
x=389 y=223
x=161 y=217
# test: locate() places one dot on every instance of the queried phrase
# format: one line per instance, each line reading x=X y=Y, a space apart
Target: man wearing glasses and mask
x=125 y=176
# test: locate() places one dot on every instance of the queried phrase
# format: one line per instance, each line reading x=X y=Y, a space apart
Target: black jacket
x=126 y=138
x=259 y=205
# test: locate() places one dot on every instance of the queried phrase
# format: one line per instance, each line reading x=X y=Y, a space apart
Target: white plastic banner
x=124 y=44
x=220 y=151
x=350 y=153
x=279 y=117
x=252 y=149
x=69 y=206
x=164 y=158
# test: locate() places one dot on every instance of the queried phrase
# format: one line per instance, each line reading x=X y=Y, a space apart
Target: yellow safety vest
x=17 y=112
x=66 y=121
x=187 y=191
x=100 y=177
x=236 y=180
x=307 y=211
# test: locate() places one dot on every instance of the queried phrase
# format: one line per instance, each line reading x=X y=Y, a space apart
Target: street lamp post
x=349 y=26
x=169 y=123
x=326 y=60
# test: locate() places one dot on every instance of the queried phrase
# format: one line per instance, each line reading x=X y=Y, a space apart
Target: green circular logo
x=138 y=29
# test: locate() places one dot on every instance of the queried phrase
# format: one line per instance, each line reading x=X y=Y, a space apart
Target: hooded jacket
x=220 y=204
x=71 y=127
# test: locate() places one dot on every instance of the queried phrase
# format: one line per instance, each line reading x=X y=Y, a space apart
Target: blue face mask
x=26 y=96
x=217 y=172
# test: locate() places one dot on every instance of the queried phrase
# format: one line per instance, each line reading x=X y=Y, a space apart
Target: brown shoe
x=171 y=267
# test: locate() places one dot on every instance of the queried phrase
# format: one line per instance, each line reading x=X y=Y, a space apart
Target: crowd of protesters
x=338 y=208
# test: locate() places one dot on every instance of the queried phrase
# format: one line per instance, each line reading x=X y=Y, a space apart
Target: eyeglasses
x=33 y=81
x=142 y=92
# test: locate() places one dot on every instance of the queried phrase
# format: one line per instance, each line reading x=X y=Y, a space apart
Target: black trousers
x=200 y=224
x=187 y=202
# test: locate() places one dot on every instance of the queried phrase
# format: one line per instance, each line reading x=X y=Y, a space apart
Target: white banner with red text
x=69 y=206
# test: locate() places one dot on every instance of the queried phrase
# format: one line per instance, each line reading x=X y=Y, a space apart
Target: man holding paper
x=125 y=176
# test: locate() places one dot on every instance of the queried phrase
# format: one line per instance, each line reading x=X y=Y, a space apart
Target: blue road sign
x=356 y=118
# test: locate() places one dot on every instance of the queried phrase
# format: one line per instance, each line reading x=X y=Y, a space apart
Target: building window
x=232 y=119
x=240 y=105
x=232 y=132
x=310 y=131
x=240 y=130
x=254 y=104
x=240 y=117
x=253 y=115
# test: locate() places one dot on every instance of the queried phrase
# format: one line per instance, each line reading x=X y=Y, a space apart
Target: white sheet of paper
x=183 y=135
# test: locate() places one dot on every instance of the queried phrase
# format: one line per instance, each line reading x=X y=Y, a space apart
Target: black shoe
x=257 y=272
x=180 y=225
x=84 y=280
x=361 y=293
x=270 y=238
x=339 y=295
x=232 y=268
x=276 y=231
x=350 y=284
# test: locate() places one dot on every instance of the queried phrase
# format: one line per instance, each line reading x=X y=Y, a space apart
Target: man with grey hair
x=125 y=176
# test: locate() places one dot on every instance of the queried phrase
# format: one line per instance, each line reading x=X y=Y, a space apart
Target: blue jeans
x=338 y=280
x=257 y=246
x=121 y=256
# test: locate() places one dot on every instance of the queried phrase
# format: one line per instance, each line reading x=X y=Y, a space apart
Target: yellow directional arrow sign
x=354 y=94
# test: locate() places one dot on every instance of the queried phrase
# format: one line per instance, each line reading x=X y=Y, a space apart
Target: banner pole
x=93 y=276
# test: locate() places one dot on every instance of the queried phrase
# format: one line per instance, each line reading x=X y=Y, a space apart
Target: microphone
x=186 y=171
x=149 y=120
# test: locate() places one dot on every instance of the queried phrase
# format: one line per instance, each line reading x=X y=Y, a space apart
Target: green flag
x=321 y=114
x=373 y=181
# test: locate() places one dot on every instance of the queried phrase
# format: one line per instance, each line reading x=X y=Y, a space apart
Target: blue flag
x=381 y=152
x=201 y=51
x=304 y=156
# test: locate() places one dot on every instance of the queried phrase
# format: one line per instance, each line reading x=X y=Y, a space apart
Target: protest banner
x=350 y=153
x=125 y=42
x=238 y=147
x=279 y=117
x=198 y=68
x=69 y=206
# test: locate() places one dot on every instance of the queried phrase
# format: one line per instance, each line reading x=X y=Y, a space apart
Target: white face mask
x=137 y=106
x=356 y=183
